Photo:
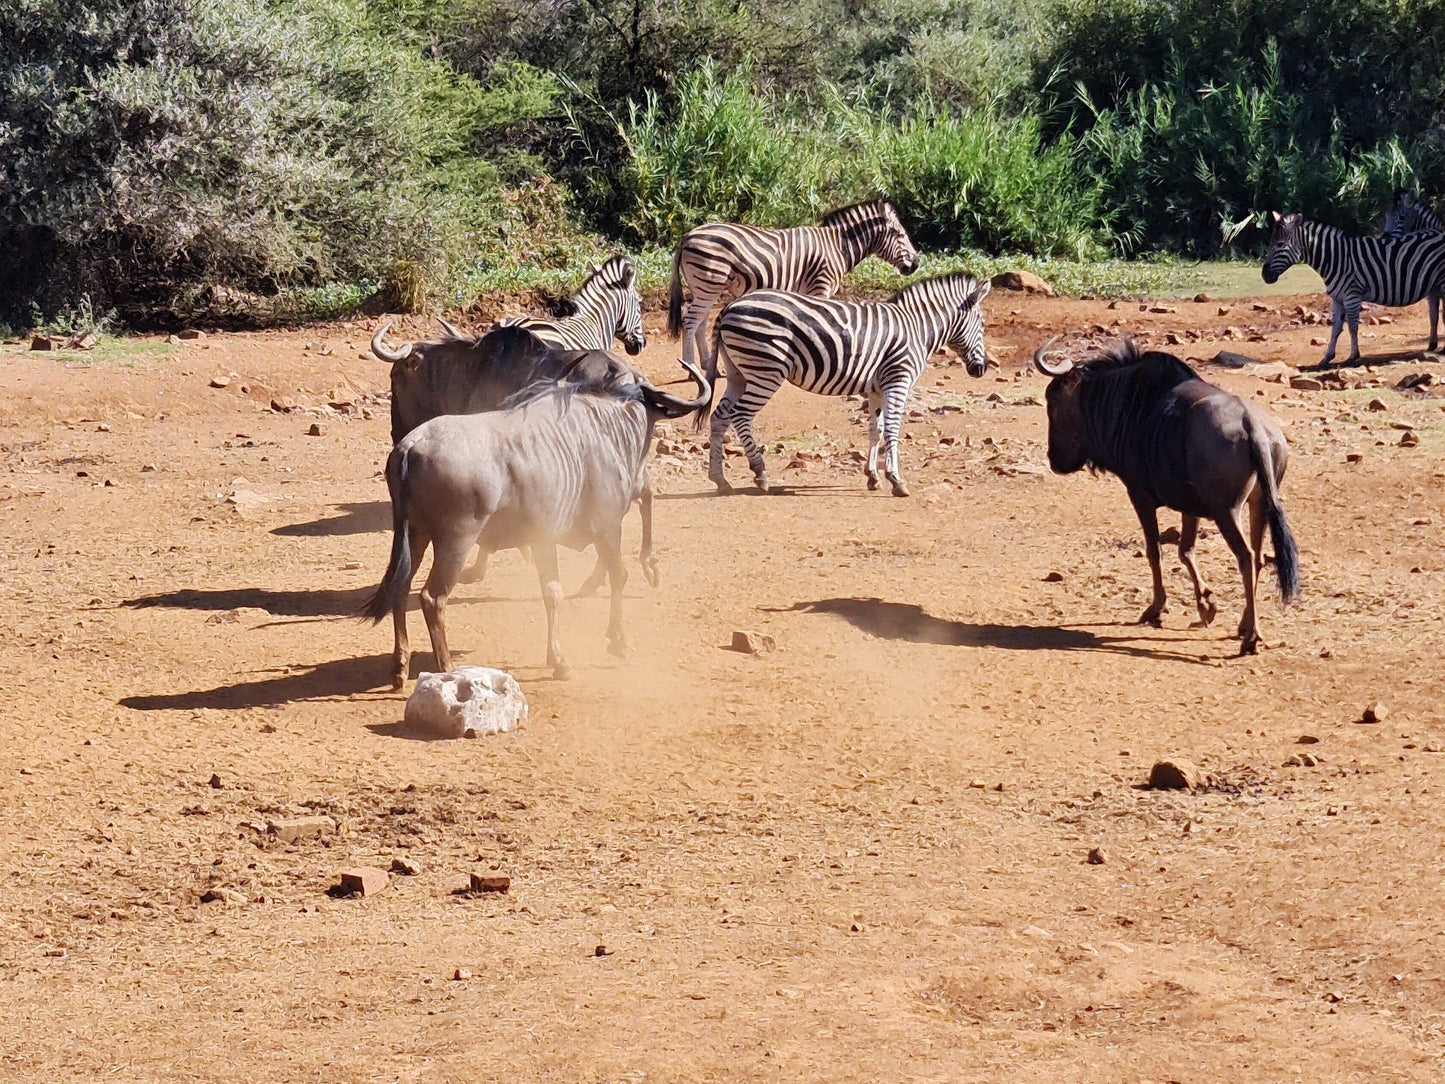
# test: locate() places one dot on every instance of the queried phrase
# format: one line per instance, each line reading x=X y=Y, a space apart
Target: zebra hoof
x=899 y=489
x=872 y=481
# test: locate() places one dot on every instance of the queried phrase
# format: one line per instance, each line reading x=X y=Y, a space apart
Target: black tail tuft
x=674 y=297
x=1286 y=554
x=397 y=580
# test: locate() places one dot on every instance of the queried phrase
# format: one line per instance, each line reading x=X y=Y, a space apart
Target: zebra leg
x=694 y=333
x=743 y=421
x=722 y=419
x=875 y=409
x=1352 y=314
x=895 y=402
x=1337 y=323
x=1434 y=303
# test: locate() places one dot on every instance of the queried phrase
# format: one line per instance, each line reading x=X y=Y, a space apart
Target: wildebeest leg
x=1203 y=596
x=1149 y=520
x=401 y=651
x=1337 y=323
x=448 y=557
x=1257 y=520
x=895 y=401
x=875 y=437
x=476 y=570
x=1352 y=314
x=593 y=581
x=609 y=548
x=1249 y=624
x=644 y=556
x=544 y=556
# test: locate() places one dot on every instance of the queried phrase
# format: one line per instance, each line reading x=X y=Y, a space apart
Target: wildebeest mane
x=564 y=392
x=1119 y=391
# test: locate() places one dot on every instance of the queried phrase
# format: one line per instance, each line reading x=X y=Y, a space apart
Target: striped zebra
x=872 y=348
x=721 y=261
x=606 y=306
x=1381 y=270
x=1407 y=215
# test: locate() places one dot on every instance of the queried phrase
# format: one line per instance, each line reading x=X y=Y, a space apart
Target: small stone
x=42 y=342
x=220 y=381
x=1408 y=439
x=316 y=430
x=223 y=895
x=601 y=950
x=1232 y=360
x=1162 y=309
x=289 y=831
x=282 y=405
x=1096 y=857
x=215 y=783
x=489 y=882
x=82 y=342
x=173 y=340
x=1054 y=577
x=1306 y=383
x=1223 y=310
x=1201 y=297
x=1376 y=405
x=1173 y=775
x=1375 y=712
x=190 y=333
x=1307 y=739
x=461 y=974
x=1022 y=280
x=1353 y=457
x=363 y=881
x=753 y=643
x=1416 y=380
x=406 y=867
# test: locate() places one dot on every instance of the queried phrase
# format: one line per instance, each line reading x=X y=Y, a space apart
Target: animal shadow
x=324 y=602
x=357 y=517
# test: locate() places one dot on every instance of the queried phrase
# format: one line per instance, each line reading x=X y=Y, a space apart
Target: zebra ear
x=628 y=273
x=981 y=291
x=1275 y=217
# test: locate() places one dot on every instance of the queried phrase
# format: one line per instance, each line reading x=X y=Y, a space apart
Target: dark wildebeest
x=1176 y=441
x=563 y=465
x=464 y=375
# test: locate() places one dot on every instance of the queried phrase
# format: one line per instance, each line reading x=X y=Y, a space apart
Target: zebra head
x=894 y=245
x=1286 y=245
x=874 y=229
x=965 y=331
x=1407 y=215
x=610 y=295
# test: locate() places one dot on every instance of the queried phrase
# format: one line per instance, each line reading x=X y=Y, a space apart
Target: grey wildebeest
x=561 y=465
x=464 y=375
x=1176 y=441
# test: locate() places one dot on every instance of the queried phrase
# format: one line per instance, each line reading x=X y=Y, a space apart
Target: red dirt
x=862 y=857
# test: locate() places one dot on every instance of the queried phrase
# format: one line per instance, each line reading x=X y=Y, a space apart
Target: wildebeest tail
x=674 y=296
x=1286 y=553
x=398 y=570
x=710 y=371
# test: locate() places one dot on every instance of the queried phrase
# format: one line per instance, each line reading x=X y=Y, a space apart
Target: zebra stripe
x=877 y=349
x=1381 y=270
x=606 y=306
x=722 y=261
x=1407 y=215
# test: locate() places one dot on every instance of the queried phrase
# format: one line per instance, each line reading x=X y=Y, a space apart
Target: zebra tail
x=674 y=297
x=398 y=570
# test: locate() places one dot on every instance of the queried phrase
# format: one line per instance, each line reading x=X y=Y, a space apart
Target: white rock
x=465 y=703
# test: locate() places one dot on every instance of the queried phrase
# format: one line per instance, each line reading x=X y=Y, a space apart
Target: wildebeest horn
x=673 y=406
x=453 y=332
x=1044 y=367
x=379 y=348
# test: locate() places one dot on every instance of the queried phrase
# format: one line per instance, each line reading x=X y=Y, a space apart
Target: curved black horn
x=453 y=332
x=380 y=349
x=672 y=406
x=1044 y=367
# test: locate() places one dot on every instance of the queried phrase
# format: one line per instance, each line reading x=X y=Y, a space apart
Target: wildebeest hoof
x=1207 y=612
x=1152 y=617
x=561 y=671
x=1250 y=646
x=619 y=648
x=899 y=489
x=723 y=485
x=651 y=572
x=398 y=682
x=473 y=573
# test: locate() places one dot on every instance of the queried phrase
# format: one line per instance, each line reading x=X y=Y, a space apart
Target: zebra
x=872 y=348
x=607 y=305
x=722 y=261
x=1382 y=270
x=1407 y=215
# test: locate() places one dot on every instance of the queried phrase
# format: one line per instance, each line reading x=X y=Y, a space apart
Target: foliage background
x=275 y=158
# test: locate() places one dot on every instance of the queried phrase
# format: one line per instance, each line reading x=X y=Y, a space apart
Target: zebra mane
x=959 y=282
x=868 y=209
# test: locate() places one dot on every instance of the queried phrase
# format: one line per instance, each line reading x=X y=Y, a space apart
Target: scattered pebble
x=461 y=974
x=1307 y=739
x=1173 y=775
x=316 y=430
x=1375 y=712
x=215 y=783
x=220 y=381
x=1096 y=857
x=406 y=867
x=489 y=882
x=753 y=643
x=362 y=881
x=1376 y=405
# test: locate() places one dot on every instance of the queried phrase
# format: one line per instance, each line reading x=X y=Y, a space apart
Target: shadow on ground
x=360 y=517
x=339 y=678
x=911 y=623
x=324 y=602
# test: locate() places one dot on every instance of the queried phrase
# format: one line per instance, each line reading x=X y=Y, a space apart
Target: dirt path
x=861 y=858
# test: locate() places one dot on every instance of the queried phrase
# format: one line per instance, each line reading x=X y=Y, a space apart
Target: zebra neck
x=1324 y=249
x=930 y=325
x=855 y=242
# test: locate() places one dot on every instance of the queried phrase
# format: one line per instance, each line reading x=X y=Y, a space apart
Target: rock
x=316 y=430
x=489 y=882
x=173 y=340
x=289 y=831
x=1096 y=857
x=1307 y=739
x=466 y=702
x=603 y=950
x=86 y=341
x=1375 y=712
x=362 y=881
x=1306 y=383
x=406 y=867
x=190 y=333
x=220 y=381
x=1276 y=371
x=215 y=783
x=461 y=974
x=42 y=342
x=229 y=897
x=1415 y=380
x=1301 y=760
x=282 y=405
x=1173 y=775
x=1223 y=310
x=1408 y=439
x=1026 y=281
x=753 y=643
x=1234 y=361
x=1354 y=457
x=1161 y=309
x=1054 y=577
x=1201 y=298
x=1376 y=405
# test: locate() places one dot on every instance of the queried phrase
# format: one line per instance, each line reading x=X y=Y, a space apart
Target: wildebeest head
x=1286 y=245
x=612 y=288
x=961 y=296
x=1068 y=450
x=880 y=219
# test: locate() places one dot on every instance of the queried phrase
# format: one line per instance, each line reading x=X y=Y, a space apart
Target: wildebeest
x=1176 y=441
x=563 y=465
x=464 y=375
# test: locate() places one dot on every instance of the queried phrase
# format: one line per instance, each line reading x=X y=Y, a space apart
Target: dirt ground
x=859 y=858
